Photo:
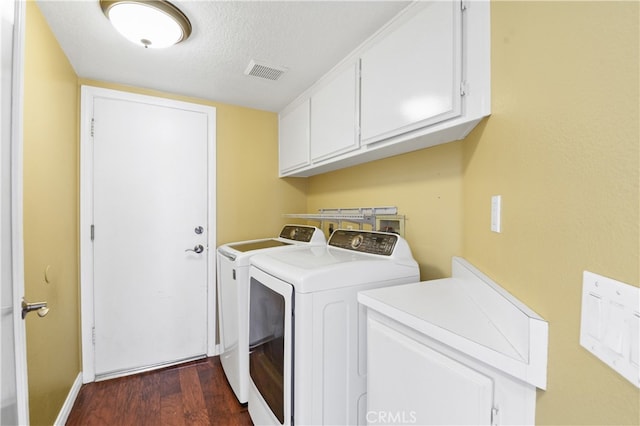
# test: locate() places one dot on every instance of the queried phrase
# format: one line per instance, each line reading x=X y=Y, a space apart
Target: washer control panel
x=364 y=241
x=298 y=233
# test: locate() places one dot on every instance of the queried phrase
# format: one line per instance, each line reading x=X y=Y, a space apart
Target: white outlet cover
x=610 y=323
x=496 y=207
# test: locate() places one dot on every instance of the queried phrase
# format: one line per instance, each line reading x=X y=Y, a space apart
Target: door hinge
x=494 y=416
x=93 y=335
x=463 y=5
x=463 y=88
x=93 y=122
x=234 y=274
x=93 y=232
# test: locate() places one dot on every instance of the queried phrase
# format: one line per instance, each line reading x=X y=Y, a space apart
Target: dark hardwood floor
x=195 y=393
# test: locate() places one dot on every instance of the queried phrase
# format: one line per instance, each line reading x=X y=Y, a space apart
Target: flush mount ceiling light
x=148 y=23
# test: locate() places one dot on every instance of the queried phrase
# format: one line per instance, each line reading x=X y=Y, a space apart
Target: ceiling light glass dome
x=153 y=23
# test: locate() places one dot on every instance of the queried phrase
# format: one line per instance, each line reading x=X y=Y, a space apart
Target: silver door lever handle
x=197 y=249
x=40 y=307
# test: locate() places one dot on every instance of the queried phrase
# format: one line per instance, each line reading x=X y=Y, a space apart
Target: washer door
x=270 y=341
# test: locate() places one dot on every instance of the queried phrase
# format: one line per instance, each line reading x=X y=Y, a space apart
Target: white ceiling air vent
x=263 y=70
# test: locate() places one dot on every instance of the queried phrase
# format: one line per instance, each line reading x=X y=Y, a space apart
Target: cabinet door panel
x=416 y=384
x=411 y=78
x=294 y=138
x=334 y=116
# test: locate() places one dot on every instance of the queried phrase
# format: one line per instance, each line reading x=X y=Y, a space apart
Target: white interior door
x=14 y=404
x=151 y=195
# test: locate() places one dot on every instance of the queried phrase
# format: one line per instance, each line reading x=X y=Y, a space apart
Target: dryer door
x=270 y=343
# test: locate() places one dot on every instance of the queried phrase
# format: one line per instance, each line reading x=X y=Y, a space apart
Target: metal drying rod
x=359 y=215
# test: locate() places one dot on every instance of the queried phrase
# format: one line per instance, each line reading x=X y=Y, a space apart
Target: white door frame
x=88 y=94
x=16 y=207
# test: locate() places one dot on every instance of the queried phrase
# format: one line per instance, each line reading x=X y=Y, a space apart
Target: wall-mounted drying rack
x=378 y=218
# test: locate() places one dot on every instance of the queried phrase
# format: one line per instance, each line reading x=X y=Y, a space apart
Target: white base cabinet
x=412 y=379
x=424 y=80
x=454 y=351
x=408 y=382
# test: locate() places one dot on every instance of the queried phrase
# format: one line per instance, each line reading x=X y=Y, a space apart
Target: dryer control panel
x=298 y=233
x=364 y=241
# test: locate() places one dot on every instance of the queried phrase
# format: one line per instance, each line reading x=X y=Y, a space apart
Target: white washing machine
x=233 y=296
x=307 y=333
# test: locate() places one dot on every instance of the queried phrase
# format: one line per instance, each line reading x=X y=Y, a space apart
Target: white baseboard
x=68 y=403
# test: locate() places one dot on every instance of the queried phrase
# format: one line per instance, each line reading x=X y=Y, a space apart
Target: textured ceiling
x=306 y=37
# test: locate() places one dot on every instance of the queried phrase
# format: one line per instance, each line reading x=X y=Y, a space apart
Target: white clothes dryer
x=233 y=261
x=307 y=332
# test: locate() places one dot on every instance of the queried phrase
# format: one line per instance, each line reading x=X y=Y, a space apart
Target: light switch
x=614 y=331
x=593 y=316
x=634 y=350
x=610 y=323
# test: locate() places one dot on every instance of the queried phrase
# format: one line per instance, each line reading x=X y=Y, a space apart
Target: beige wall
x=251 y=198
x=561 y=147
x=425 y=186
x=50 y=218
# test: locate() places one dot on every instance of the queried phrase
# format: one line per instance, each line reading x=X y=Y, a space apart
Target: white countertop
x=472 y=314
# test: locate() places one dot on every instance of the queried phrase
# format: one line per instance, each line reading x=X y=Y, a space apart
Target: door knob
x=40 y=307
x=197 y=249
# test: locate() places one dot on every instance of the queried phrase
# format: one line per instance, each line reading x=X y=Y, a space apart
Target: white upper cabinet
x=294 y=138
x=411 y=78
x=423 y=79
x=334 y=116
